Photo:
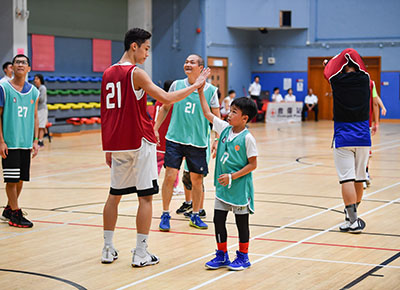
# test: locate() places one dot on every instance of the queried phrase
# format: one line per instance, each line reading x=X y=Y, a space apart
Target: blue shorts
x=195 y=157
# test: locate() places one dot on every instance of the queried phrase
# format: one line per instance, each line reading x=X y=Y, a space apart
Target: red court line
x=212 y=235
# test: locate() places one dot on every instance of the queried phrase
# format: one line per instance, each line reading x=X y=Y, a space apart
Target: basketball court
x=295 y=242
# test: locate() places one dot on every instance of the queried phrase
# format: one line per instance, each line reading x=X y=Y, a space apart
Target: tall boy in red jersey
x=129 y=141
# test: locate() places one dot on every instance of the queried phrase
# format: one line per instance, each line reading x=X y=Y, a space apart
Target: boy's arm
x=142 y=80
x=206 y=109
x=224 y=179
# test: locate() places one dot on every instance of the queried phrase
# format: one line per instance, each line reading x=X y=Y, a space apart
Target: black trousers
x=305 y=109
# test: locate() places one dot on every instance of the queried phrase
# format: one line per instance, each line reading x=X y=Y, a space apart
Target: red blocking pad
x=43 y=52
x=101 y=54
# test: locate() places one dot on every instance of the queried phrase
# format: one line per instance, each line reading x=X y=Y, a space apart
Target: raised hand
x=202 y=77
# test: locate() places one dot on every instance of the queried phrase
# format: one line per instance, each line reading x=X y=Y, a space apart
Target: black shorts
x=17 y=165
x=195 y=157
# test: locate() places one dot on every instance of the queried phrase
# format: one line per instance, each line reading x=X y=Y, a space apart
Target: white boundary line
x=330 y=261
x=258 y=236
x=290 y=246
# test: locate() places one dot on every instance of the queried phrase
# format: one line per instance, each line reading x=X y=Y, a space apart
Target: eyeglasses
x=23 y=62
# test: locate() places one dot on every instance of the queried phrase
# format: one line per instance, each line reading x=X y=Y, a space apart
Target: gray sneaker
x=353 y=228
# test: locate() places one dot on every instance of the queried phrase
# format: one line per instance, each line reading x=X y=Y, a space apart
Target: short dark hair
x=167 y=85
x=40 y=77
x=21 y=55
x=231 y=92
x=137 y=35
x=247 y=106
x=276 y=88
x=6 y=64
x=257 y=76
x=200 y=59
x=289 y=89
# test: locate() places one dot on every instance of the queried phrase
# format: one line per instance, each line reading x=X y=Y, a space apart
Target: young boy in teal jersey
x=236 y=159
x=19 y=127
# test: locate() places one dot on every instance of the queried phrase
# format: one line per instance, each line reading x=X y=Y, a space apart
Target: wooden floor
x=295 y=242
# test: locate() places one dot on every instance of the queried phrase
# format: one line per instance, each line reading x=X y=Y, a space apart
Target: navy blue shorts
x=195 y=157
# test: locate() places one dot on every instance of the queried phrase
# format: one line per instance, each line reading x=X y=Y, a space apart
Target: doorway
x=218 y=76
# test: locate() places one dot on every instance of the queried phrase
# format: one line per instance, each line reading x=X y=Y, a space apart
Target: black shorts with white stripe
x=17 y=165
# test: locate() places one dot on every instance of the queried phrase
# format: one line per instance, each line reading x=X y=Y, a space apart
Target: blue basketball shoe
x=164 y=224
x=221 y=260
x=240 y=263
x=195 y=221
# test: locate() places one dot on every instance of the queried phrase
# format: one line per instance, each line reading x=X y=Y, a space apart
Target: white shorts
x=42 y=116
x=220 y=205
x=135 y=171
x=351 y=163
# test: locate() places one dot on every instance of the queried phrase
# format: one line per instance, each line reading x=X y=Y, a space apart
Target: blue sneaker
x=220 y=261
x=195 y=221
x=240 y=263
x=164 y=224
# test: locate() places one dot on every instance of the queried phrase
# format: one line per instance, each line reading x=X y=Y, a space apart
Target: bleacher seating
x=72 y=97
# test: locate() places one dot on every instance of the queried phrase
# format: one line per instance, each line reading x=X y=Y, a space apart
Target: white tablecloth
x=284 y=112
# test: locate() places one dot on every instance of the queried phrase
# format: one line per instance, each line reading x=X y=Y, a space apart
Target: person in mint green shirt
x=235 y=161
x=19 y=127
x=187 y=137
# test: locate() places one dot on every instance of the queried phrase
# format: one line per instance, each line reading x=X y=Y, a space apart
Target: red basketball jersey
x=124 y=120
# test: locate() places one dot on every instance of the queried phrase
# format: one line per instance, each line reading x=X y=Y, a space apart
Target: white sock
x=141 y=243
x=164 y=211
x=108 y=237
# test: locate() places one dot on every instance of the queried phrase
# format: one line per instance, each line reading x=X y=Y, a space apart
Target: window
x=285 y=19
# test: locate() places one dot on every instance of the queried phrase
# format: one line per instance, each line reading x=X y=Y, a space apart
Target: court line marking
x=285 y=171
x=329 y=261
x=70 y=172
x=258 y=236
x=288 y=247
x=385 y=148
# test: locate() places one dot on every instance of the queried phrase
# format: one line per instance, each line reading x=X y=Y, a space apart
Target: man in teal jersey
x=18 y=136
x=187 y=137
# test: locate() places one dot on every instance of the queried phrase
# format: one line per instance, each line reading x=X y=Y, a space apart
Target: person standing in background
x=18 y=137
x=255 y=91
x=42 y=106
x=8 y=72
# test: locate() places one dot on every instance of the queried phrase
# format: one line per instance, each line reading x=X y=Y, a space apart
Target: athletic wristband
x=230 y=180
x=34 y=139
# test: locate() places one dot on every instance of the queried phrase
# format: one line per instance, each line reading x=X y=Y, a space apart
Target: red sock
x=222 y=247
x=244 y=247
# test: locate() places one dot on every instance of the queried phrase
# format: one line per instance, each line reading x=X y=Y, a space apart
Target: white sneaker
x=178 y=191
x=109 y=255
x=354 y=228
x=147 y=260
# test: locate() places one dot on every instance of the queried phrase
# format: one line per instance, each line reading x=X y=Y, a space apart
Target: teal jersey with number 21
x=188 y=125
x=19 y=116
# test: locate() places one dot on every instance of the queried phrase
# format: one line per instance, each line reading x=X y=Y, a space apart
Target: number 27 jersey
x=124 y=120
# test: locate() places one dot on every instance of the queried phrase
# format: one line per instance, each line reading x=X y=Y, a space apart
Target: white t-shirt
x=277 y=98
x=5 y=79
x=224 y=111
x=255 y=89
x=290 y=98
x=311 y=100
x=251 y=147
